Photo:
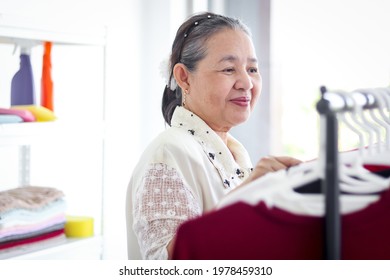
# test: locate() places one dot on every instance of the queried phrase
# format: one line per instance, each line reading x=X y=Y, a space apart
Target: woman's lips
x=241 y=101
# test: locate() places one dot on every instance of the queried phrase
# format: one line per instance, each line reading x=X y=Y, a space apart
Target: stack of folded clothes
x=31 y=218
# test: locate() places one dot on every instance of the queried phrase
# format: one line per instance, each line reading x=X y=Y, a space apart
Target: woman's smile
x=242 y=101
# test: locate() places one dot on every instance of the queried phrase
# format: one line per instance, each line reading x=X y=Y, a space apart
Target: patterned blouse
x=183 y=173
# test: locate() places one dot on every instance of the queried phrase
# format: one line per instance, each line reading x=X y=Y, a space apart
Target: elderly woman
x=214 y=84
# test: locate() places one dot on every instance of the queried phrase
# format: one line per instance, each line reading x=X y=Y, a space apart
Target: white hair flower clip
x=165 y=71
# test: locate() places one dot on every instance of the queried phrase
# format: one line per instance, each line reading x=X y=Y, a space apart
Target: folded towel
x=31 y=234
x=10 y=119
x=29 y=197
x=26 y=228
x=16 y=217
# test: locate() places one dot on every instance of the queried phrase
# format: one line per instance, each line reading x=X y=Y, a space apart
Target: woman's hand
x=270 y=164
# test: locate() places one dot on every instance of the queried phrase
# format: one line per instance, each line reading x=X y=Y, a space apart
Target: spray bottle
x=46 y=80
x=22 y=86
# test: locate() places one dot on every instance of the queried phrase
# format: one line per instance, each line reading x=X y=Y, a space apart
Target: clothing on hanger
x=245 y=232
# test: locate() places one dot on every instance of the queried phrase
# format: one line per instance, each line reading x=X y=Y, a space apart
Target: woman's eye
x=253 y=70
x=229 y=70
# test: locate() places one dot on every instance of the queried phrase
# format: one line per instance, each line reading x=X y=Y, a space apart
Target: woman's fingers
x=288 y=161
x=277 y=163
x=271 y=164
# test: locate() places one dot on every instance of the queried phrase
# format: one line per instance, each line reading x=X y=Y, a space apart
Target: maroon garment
x=376 y=168
x=31 y=240
x=241 y=231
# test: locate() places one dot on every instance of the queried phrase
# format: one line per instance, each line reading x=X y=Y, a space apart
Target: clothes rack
x=329 y=105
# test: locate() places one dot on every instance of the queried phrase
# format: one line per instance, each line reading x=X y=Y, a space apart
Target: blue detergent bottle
x=22 y=86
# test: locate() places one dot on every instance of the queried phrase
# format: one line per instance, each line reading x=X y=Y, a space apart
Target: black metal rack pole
x=330 y=182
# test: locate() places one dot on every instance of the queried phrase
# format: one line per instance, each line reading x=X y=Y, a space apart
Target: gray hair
x=189 y=47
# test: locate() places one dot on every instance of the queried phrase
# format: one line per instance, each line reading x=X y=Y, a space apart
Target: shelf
x=70 y=248
x=28 y=133
x=64 y=136
x=14 y=28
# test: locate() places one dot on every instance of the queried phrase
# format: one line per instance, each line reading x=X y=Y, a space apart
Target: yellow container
x=78 y=226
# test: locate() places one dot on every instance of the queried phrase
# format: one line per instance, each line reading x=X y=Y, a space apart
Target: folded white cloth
x=26 y=228
x=31 y=217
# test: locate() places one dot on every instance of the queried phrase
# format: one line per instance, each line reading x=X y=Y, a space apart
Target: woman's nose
x=244 y=81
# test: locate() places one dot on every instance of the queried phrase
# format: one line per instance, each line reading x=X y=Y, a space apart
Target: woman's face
x=226 y=84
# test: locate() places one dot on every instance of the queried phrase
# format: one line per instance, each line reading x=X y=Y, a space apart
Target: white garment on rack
x=276 y=189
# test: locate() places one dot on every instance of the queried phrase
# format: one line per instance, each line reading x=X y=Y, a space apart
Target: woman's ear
x=180 y=72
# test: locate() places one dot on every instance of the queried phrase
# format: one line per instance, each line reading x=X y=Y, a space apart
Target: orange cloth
x=46 y=82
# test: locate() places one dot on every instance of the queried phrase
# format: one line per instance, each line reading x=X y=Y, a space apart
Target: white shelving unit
x=69 y=249
x=26 y=135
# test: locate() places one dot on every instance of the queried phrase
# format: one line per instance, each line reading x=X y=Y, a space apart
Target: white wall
x=123 y=118
x=255 y=133
x=340 y=44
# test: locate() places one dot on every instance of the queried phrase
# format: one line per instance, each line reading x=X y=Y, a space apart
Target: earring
x=184 y=97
